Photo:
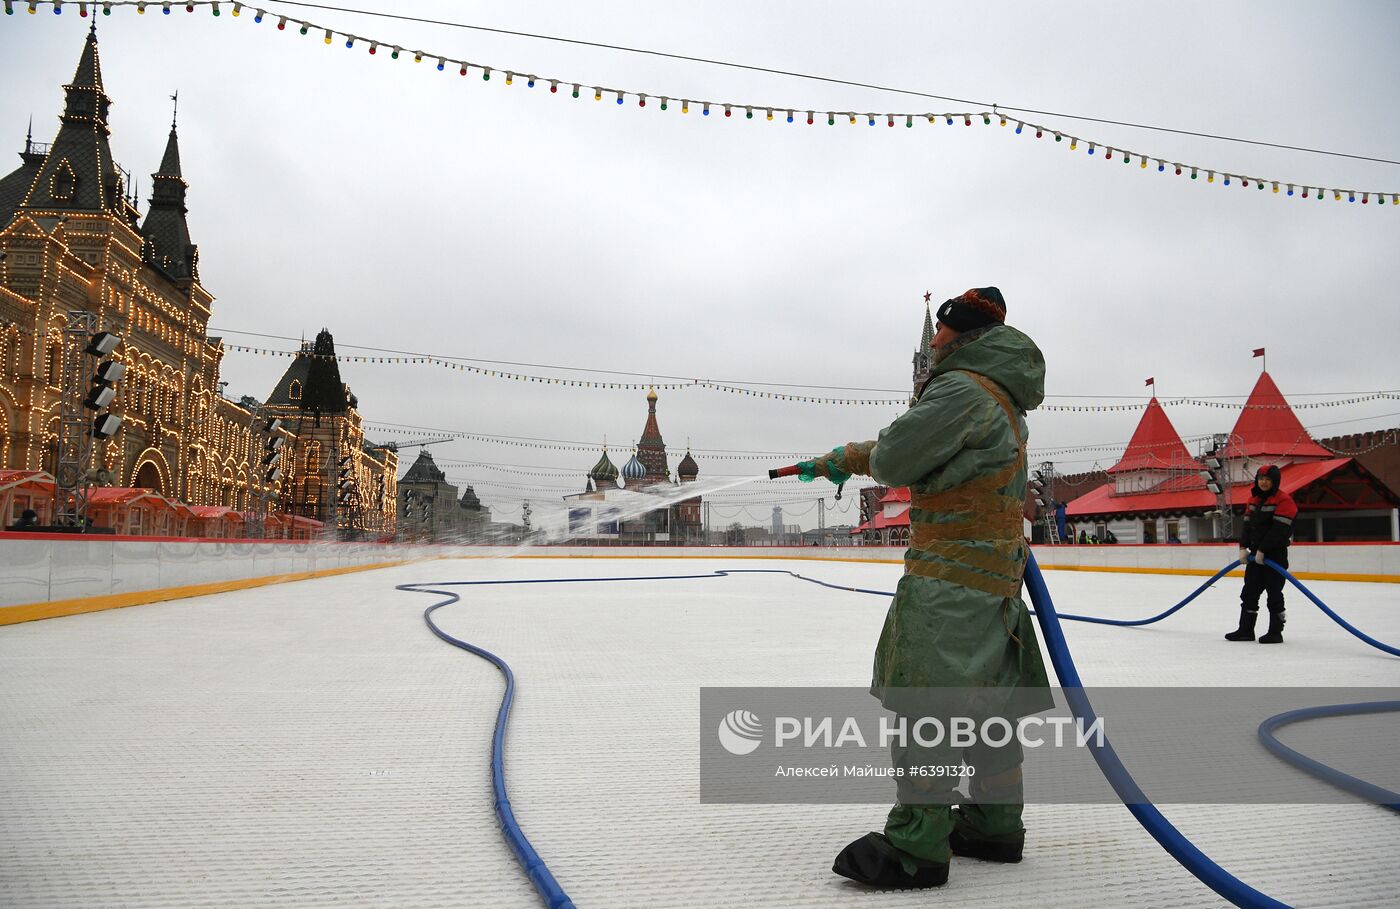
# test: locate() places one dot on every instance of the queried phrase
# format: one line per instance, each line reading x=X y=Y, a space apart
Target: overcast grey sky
x=411 y=209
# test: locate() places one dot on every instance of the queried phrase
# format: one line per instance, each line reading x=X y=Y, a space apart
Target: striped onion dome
x=634 y=469
x=604 y=469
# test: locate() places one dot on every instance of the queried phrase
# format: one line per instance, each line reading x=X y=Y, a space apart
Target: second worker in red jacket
x=1267 y=531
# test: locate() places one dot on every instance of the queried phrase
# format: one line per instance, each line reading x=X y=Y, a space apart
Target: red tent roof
x=1155 y=443
x=896 y=494
x=880 y=522
x=118 y=495
x=9 y=478
x=1268 y=427
x=1170 y=496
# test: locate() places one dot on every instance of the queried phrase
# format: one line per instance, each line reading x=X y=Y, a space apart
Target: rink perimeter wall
x=44 y=576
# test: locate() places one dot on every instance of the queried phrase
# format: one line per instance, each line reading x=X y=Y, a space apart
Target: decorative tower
x=923 y=357
x=79 y=175
x=652 y=450
x=687 y=470
x=634 y=473
x=604 y=473
x=167 y=246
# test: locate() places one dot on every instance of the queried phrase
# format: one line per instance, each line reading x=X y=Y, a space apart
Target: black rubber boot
x=874 y=860
x=969 y=843
x=1275 y=633
x=1246 y=630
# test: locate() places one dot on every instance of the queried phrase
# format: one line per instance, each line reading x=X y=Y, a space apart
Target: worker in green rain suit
x=957 y=620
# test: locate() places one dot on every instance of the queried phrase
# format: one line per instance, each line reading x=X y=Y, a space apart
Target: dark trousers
x=1259 y=579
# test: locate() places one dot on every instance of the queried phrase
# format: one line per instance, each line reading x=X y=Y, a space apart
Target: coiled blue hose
x=1369 y=791
x=1147 y=814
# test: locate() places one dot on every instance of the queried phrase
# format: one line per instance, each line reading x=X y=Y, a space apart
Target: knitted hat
x=977 y=307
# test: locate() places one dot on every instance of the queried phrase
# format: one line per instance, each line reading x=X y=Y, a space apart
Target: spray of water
x=550 y=520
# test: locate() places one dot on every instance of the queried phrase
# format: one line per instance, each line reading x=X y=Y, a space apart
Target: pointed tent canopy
x=1155 y=444
x=1267 y=427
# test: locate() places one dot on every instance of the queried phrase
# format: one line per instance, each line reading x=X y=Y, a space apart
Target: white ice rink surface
x=313 y=744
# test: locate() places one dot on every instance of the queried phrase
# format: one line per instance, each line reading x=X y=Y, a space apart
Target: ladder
x=1052 y=529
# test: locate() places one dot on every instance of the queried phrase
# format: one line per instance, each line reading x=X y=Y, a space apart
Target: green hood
x=1004 y=355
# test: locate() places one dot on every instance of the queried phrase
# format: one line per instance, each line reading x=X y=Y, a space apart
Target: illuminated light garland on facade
x=1112 y=153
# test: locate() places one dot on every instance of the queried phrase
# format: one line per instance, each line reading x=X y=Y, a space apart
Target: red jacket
x=1269 y=522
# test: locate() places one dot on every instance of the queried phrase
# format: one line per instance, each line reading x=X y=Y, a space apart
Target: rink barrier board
x=129 y=571
x=13 y=615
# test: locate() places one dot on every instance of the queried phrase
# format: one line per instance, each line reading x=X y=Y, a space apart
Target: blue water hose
x=1369 y=791
x=1394 y=651
x=1147 y=814
x=535 y=869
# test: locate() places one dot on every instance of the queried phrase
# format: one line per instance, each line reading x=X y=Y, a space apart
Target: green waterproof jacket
x=957 y=619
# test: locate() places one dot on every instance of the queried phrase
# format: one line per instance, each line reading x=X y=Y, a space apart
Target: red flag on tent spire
x=1151 y=381
x=1259 y=351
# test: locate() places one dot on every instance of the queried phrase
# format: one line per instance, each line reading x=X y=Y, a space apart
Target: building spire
x=175 y=109
x=78 y=173
x=168 y=246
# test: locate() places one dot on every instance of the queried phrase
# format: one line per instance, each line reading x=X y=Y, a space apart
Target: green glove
x=830 y=465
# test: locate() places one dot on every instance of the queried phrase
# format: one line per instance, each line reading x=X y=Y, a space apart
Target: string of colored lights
x=728 y=388
x=572 y=383
x=827 y=79
x=788 y=113
x=652 y=376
